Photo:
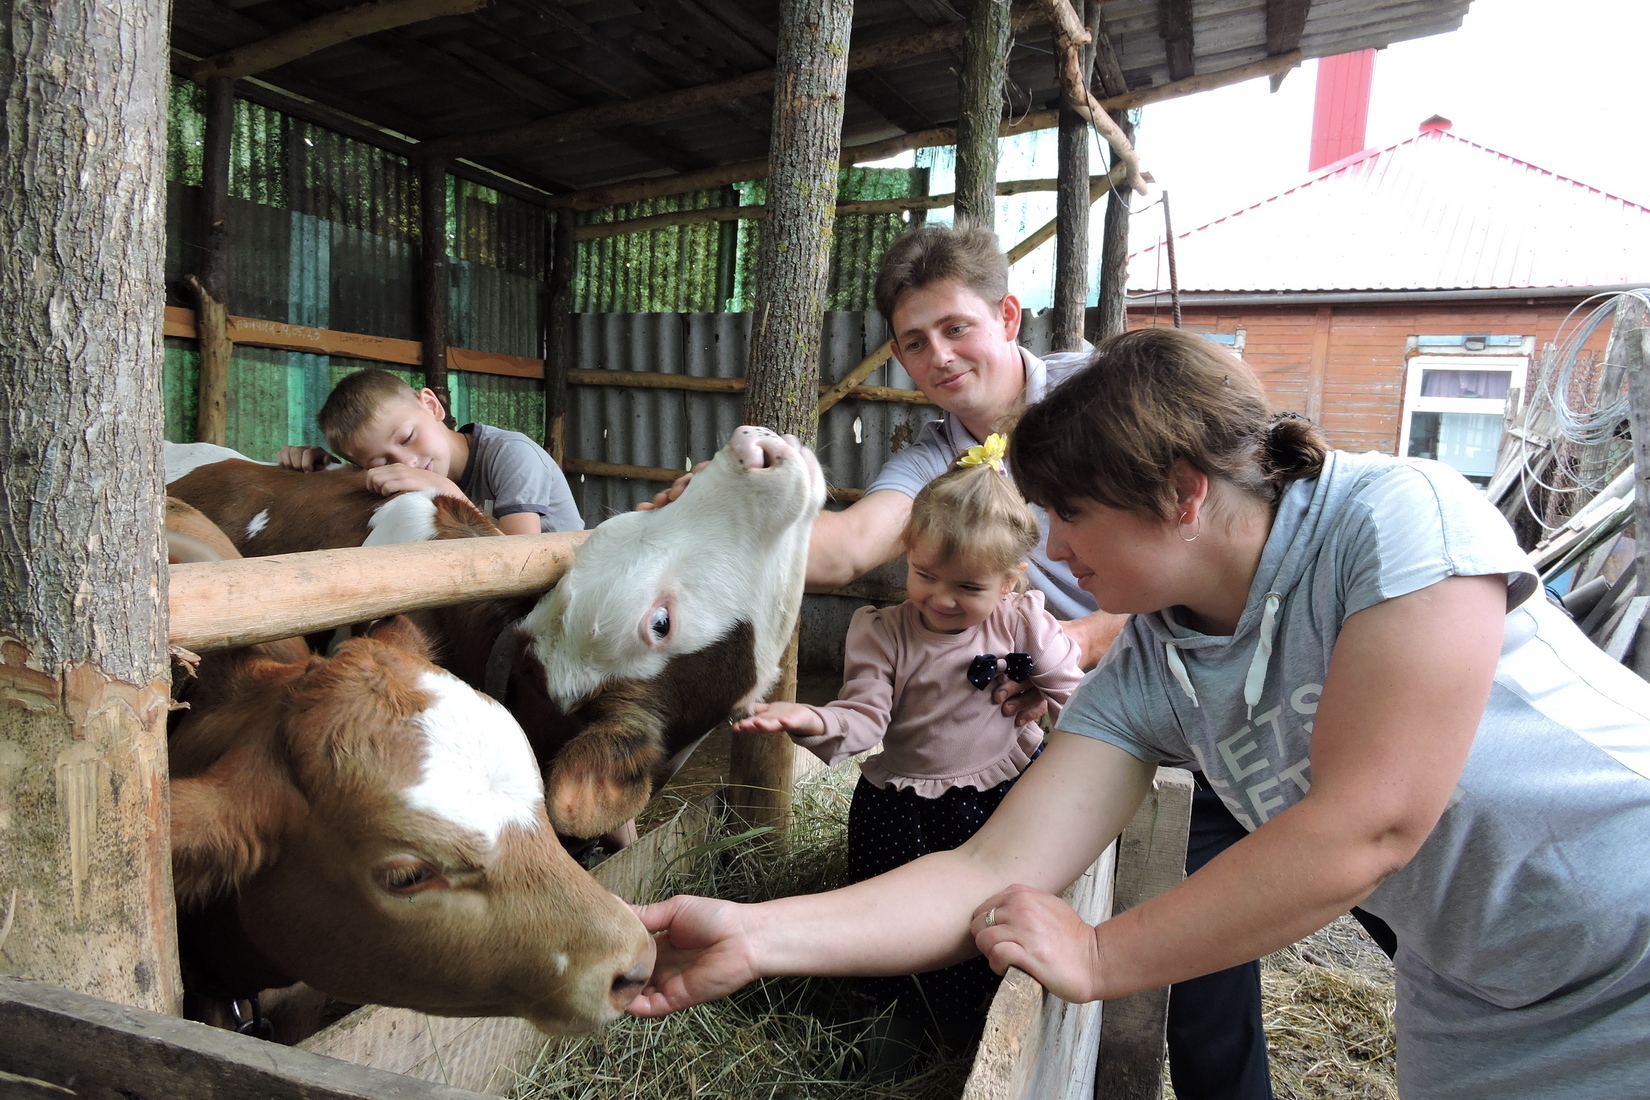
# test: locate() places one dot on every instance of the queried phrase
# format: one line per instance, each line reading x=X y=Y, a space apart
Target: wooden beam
x=1114 y=256
x=1037 y=237
x=218 y=604
x=687 y=383
x=685 y=101
x=980 y=110
x=609 y=194
x=1285 y=24
x=602 y=230
x=353 y=345
x=326 y=31
x=1174 y=26
x=559 y=351
x=432 y=277
x=1151 y=858
x=1071 y=248
x=1108 y=70
x=62 y=1044
x=212 y=288
x=869 y=365
x=1071 y=36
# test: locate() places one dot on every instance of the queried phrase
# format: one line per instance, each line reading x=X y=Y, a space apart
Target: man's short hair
x=356 y=400
x=966 y=254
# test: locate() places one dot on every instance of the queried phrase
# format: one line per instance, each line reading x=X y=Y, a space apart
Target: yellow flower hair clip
x=990 y=453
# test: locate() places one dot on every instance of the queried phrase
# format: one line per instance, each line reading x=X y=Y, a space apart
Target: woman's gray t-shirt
x=509 y=473
x=1523 y=922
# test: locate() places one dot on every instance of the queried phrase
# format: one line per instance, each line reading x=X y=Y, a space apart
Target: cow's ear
x=604 y=776
x=402 y=633
x=227 y=823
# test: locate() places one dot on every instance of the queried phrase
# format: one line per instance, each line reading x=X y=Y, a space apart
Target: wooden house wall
x=1343 y=365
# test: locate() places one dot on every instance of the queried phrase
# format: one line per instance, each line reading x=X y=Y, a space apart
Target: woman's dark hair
x=1113 y=431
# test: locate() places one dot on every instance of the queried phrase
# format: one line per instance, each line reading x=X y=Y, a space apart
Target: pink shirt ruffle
x=907 y=687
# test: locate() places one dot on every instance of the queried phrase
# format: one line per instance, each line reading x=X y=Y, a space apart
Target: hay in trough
x=777 y=1039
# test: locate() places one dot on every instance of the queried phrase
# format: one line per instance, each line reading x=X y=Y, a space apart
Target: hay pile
x=778 y=1039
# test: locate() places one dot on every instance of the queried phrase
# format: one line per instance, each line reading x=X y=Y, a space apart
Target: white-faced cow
x=369 y=824
x=668 y=622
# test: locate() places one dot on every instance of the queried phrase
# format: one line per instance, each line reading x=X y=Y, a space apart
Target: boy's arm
x=525 y=485
x=520 y=523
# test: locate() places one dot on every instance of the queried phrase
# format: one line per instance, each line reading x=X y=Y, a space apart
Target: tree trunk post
x=559 y=344
x=432 y=244
x=212 y=288
x=1630 y=346
x=985 y=64
x=1114 y=254
x=85 y=873
x=792 y=266
x=1071 y=237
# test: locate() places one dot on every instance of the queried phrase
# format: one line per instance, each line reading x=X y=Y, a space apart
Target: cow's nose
x=628 y=983
x=746 y=443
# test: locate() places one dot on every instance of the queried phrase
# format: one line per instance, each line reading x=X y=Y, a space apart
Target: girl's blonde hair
x=974 y=510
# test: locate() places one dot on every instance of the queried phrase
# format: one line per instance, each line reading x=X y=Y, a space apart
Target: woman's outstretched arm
x=1406 y=689
x=1055 y=822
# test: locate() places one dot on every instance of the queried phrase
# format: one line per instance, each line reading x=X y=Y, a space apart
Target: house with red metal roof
x=1400 y=295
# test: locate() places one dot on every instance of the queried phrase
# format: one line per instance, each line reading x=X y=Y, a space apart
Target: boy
x=400 y=437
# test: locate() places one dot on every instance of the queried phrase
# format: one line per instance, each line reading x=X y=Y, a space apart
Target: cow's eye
x=406 y=877
x=659 y=623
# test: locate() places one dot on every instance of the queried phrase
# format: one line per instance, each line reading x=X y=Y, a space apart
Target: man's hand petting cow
x=372 y=823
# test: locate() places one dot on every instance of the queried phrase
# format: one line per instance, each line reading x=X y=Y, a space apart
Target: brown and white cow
x=668 y=622
x=369 y=824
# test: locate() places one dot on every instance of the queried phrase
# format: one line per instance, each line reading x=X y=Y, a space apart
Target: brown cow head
x=383 y=826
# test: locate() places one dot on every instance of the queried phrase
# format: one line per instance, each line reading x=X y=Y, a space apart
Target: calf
x=668 y=622
x=372 y=826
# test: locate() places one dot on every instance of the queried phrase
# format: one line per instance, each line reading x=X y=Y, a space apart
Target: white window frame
x=1518 y=366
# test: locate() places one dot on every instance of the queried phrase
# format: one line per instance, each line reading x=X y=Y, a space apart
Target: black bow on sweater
x=983 y=669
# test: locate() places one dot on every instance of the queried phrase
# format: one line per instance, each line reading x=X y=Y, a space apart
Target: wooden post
x=212 y=288
x=85 y=875
x=1630 y=346
x=985 y=63
x=782 y=377
x=432 y=241
x=1151 y=857
x=559 y=344
x=1174 y=273
x=1114 y=254
x=1071 y=237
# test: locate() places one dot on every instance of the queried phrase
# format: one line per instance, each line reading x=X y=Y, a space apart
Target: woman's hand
x=1042 y=935
x=773 y=717
x=703 y=950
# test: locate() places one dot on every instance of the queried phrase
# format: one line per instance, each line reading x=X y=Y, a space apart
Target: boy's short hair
x=356 y=400
x=966 y=253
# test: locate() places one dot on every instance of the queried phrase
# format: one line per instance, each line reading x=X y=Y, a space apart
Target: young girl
x=917 y=679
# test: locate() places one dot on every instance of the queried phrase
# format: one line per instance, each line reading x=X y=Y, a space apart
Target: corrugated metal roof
x=525 y=60
x=1435 y=212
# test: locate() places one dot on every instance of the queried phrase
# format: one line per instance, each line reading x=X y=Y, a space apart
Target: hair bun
x=1294 y=449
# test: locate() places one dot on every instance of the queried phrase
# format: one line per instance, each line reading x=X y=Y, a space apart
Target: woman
x=1355 y=653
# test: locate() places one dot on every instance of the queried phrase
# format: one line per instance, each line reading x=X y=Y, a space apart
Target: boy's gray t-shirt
x=509 y=473
x=1523 y=922
x=941 y=442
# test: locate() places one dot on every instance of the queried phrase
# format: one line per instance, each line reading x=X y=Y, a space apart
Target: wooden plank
x=255 y=332
x=324 y=32
x=227 y=603
x=1151 y=858
x=1036 y=1046
x=830 y=395
x=69 y=1044
x=653 y=380
x=489 y=1054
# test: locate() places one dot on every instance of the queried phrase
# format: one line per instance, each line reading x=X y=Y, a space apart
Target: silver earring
x=1183 y=538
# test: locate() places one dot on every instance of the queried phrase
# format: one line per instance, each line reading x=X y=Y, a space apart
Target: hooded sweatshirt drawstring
x=1262 y=660
x=1178 y=667
x=1256 y=680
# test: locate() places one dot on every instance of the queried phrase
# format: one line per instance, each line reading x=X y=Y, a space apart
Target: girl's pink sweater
x=907 y=686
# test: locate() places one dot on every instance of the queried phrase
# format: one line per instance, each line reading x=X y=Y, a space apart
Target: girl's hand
x=303 y=458
x=773 y=717
x=704 y=953
x=1042 y=935
x=398 y=477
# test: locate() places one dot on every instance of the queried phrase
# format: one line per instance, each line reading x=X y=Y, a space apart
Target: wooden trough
x=64 y=1043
